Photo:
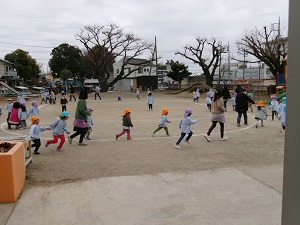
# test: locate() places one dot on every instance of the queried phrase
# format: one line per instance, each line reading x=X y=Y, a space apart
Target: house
x=90 y=84
x=143 y=76
x=7 y=69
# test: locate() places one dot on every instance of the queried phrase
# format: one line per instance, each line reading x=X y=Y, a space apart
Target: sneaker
x=207 y=137
x=186 y=141
x=46 y=145
x=59 y=150
x=246 y=124
x=129 y=138
x=176 y=146
x=70 y=139
x=238 y=124
x=36 y=153
x=87 y=138
x=82 y=144
x=116 y=137
x=223 y=138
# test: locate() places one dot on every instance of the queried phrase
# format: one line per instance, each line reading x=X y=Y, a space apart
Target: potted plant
x=12 y=170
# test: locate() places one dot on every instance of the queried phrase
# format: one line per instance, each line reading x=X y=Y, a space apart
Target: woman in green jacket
x=80 y=122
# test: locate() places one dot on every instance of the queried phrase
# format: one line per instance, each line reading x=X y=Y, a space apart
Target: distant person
x=44 y=97
x=185 y=127
x=225 y=95
x=249 y=103
x=72 y=93
x=21 y=97
x=217 y=115
x=138 y=93
x=163 y=124
x=150 y=101
x=233 y=101
x=208 y=101
x=63 y=102
x=211 y=93
x=126 y=124
x=9 y=108
x=97 y=92
x=242 y=106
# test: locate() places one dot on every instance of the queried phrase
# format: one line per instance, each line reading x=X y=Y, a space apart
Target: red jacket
x=13 y=119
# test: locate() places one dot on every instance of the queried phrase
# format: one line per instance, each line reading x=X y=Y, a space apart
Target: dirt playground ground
x=246 y=147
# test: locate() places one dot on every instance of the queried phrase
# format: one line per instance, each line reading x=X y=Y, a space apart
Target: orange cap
x=260 y=103
x=126 y=111
x=34 y=118
x=164 y=111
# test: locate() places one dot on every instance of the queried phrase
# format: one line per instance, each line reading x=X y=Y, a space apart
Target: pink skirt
x=217 y=118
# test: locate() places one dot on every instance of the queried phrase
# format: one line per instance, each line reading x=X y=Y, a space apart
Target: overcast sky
x=49 y=23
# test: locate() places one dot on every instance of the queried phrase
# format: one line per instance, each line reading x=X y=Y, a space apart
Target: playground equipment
x=254 y=86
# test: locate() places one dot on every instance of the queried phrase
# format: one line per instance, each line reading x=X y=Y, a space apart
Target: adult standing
x=226 y=95
x=97 y=92
x=242 y=106
x=72 y=93
x=80 y=122
x=217 y=115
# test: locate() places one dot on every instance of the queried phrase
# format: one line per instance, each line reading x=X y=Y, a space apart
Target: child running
x=185 y=127
x=261 y=113
x=126 y=124
x=34 y=110
x=90 y=123
x=35 y=133
x=22 y=115
x=208 y=101
x=274 y=106
x=282 y=118
x=163 y=122
x=59 y=126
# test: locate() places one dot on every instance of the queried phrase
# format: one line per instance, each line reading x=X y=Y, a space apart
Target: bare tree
x=112 y=44
x=268 y=46
x=196 y=54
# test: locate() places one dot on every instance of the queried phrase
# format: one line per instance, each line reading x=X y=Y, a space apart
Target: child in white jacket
x=163 y=122
x=185 y=127
x=282 y=118
x=150 y=101
x=274 y=106
x=261 y=113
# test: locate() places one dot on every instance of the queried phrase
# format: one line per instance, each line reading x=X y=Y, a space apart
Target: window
x=118 y=71
x=140 y=70
x=145 y=70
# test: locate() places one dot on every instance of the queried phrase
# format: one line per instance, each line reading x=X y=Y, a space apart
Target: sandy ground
x=247 y=146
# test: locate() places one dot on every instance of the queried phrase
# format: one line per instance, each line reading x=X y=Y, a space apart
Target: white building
x=140 y=77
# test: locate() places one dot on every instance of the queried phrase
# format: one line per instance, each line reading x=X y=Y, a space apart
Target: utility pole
x=244 y=64
x=228 y=63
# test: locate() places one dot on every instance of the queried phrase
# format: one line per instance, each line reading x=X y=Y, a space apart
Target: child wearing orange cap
x=126 y=124
x=35 y=133
x=163 y=122
x=261 y=113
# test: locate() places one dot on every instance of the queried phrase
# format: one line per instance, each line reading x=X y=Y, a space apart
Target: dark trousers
x=274 y=113
x=150 y=106
x=8 y=115
x=97 y=94
x=225 y=103
x=159 y=128
x=182 y=136
x=63 y=108
x=214 y=124
x=81 y=133
x=37 y=144
x=244 y=113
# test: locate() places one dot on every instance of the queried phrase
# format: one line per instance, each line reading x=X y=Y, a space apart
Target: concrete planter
x=12 y=173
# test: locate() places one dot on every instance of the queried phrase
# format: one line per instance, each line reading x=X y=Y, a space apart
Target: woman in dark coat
x=226 y=95
x=242 y=106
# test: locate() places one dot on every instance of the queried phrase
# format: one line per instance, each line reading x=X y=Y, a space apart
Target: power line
x=34 y=46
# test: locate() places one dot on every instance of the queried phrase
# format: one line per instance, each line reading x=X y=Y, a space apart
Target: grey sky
x=175 y=23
